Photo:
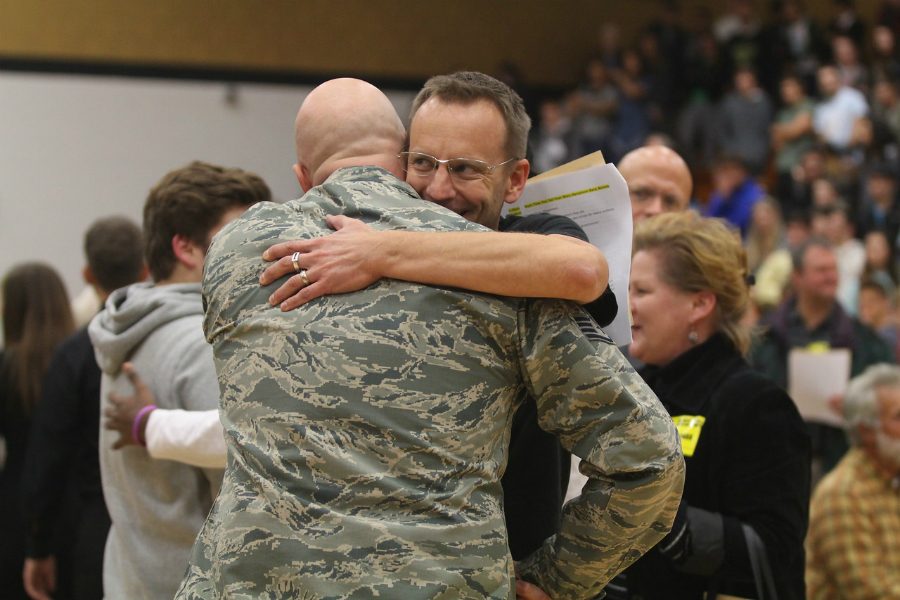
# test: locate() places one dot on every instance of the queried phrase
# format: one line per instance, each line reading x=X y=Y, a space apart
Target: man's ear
x=303 y=177
x=515 y=183
x=187 y=252
x=88 y=275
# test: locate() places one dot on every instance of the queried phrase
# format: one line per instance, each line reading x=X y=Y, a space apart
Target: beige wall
x=400 y=39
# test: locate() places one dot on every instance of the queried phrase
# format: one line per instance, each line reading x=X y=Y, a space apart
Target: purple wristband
x=136 y=424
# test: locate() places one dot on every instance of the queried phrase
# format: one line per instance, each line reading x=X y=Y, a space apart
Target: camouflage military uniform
x=367 y=433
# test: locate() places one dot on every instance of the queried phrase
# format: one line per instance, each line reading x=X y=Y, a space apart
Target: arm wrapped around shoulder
x=590 y=397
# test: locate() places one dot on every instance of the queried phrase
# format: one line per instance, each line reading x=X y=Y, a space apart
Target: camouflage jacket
x=367 y=432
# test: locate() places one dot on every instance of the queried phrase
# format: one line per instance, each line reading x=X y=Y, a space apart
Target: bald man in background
x=658 y=181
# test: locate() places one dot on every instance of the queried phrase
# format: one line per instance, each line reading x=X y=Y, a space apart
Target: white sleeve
x=194 y=437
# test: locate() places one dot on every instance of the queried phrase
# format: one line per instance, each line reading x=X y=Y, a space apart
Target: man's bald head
x=342 y=123
x=658 y=180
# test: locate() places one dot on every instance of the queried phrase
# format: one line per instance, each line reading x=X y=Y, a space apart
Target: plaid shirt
x=853 y=547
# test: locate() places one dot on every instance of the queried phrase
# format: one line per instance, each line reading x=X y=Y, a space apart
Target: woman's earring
x=693 y=337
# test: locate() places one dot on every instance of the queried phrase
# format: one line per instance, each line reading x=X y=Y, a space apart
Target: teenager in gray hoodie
x=157 y=507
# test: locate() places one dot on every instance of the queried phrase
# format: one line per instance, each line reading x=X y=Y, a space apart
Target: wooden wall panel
x=398 y=39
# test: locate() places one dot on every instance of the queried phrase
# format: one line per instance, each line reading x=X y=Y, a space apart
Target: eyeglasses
x=464 y=169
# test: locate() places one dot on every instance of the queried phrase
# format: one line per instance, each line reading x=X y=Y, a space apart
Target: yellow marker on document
x=689 y=427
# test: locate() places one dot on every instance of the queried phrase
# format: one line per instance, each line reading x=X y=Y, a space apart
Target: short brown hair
x=467 y=87
x=189 y=202
x=702 y=254
x=114 y=250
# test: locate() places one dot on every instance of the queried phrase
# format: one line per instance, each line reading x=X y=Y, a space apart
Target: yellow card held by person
x=689 y=427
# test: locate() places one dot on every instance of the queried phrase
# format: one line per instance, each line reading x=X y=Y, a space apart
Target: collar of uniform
x=370 y=174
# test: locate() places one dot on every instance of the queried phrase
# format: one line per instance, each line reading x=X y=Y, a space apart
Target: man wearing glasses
x=476 y=117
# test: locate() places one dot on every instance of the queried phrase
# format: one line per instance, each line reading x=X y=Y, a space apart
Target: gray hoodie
x=157 y=506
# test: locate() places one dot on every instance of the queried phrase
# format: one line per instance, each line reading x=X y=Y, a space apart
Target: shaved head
x=346 y=122
x=658 y=180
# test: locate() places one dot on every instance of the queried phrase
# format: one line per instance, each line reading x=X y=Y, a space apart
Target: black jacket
x=537 y=471
x=750 y=466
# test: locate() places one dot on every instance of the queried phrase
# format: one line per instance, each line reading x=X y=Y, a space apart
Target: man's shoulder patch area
x=591 y=330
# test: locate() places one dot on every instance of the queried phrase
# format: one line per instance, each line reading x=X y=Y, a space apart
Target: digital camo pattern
x=367 y=433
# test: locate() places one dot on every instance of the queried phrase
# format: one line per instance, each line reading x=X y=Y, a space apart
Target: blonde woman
x=745 y=446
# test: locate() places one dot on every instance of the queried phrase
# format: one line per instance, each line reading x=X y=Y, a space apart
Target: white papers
x=597 y=199
x=816 y=376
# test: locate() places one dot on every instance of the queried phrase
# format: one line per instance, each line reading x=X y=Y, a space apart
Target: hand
x=39 y=577
x=335 y=264
x=529 y=591
x=836 y=404
x=123 y=409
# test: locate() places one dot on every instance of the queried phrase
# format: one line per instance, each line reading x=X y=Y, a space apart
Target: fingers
x=116 y=400
x=283 y=249
x=278 y=269
x=338 y=222
x=289 y=288
x=310 y=292
x=135 y=379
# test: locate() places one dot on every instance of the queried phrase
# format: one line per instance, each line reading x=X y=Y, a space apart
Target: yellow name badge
x=689 y=427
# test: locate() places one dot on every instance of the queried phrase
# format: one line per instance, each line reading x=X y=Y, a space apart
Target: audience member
x=878 y=308
x=889 y=15
x=440 y=519
x=735 y=193
x=774 y=275
x=744 y=117
x=609 y=45
x=880 y=262
x=886 y=119
x=633 y=118
x=551 y=141
x=885 y=55
x=833 y=223
x=593 y=108
x=847 y=22
x=853 y=528
x=813 y=317
x=837 y=116
x=746 y=451
x=766 y=233
x=63 y=445
x=157 y=507
x=813 y=166
x=36 y=317
x=703 y=78
x=658 y=181
x=880 y=206
x=800 y=43
x=851 y=72
x=792 y=132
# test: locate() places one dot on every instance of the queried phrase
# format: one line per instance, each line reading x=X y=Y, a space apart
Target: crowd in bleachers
x=790 y=125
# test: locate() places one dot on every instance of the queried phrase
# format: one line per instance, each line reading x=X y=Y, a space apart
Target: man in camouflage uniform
x=367 y=431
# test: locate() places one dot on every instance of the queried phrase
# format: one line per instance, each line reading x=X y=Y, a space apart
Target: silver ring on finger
x=295 y=260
